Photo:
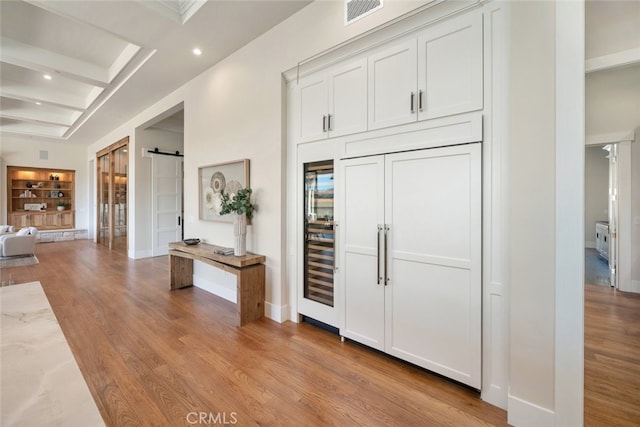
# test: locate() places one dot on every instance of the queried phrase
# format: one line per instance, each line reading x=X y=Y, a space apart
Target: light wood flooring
x=154 y=357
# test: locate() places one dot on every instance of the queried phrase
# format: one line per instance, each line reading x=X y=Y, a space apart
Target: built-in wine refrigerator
x=319 y=233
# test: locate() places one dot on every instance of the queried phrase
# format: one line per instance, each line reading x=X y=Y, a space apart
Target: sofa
x=6 y=229
x=21 y=243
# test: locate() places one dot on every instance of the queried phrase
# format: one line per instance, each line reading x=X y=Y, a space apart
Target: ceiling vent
x=356 y=9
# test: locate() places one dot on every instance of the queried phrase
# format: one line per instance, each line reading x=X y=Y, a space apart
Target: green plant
x=239 y=203
x=61 y=203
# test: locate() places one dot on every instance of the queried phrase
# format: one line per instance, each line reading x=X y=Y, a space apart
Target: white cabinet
x=392 y=85
x=410 y=249
x=334 y=102
x=435 y=75
x=450 y=67
x=602 y=239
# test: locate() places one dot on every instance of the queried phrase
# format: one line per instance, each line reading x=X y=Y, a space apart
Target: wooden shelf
x=41 y=189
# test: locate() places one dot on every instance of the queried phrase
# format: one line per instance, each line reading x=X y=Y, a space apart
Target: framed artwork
x=213 y=179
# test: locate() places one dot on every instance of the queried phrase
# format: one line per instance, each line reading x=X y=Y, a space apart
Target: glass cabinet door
x=319 y=232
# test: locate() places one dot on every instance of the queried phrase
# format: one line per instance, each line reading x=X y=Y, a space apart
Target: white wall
x=596 y=192
x=532 y=229
x=21 y=151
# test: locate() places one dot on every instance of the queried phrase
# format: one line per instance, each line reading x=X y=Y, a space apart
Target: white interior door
x=362 y=185
x=433 y=293
x=167 y=202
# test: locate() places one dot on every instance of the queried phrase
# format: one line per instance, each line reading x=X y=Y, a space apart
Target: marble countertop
x=41 y=383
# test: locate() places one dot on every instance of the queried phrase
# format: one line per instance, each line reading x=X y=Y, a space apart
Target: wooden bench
x=248 y=269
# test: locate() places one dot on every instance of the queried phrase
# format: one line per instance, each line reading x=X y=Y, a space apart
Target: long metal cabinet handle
x=328 y=122
x=335 y=246
x=413 y=97
x=386 y=247
x=420 y=100
x=324 y=123
x=378 y=257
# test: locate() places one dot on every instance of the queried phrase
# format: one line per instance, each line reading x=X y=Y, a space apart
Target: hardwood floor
x=154 y=357
x=611 y=357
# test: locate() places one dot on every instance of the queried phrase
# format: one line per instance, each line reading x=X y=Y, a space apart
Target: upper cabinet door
x=392 y=85
x=450 y=67
x=348 y=99
x=313 y=107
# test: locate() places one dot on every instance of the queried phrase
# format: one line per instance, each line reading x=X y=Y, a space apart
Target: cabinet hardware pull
x=324 y=123
x=378 y=256
x=413 y=96
x=335 y=246
x=420 y=100
x=386 y=271
x=329 y=122
x=179 y=220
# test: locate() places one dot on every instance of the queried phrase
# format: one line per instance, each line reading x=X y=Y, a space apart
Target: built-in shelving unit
x=42 y=198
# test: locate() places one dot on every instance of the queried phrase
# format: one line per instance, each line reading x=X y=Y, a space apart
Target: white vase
x=240 y=234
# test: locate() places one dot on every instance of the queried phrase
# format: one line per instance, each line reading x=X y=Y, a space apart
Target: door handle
x=379 y=276
x=328 y=122
x=324 y=123
x=335 y=246
x=413 y=97
x=420 y=100
x=386 y=246
x=179 y=220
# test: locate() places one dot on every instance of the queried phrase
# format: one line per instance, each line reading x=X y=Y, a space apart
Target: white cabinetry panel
x=313 y=107
x=334 y=102
x=348 y=99
x=433 y=297
x=392 y=85
x=450 y=67
x=438 y=75
x=362 y=202
x=411 y=247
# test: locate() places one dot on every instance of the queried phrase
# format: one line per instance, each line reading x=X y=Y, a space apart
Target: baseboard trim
x=526 y=414
x=140 y=254
x=279 y=313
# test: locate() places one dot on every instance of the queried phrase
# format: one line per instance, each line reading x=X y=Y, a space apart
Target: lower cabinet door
x=362 y=197
x=433 y=295
x=411 y=257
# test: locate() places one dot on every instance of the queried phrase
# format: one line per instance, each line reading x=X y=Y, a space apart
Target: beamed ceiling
x=75 y=70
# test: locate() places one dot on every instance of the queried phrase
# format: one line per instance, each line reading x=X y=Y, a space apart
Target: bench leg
x=181 y=272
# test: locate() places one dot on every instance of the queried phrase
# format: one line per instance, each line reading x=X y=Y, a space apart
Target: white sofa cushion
x=23 y=232
x=4 y=229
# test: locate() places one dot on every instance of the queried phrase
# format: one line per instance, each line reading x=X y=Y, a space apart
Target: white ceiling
x=109 y=60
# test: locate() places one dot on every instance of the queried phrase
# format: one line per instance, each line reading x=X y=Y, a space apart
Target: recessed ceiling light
x=197 y=52
x=47 y=77
x=38 y=103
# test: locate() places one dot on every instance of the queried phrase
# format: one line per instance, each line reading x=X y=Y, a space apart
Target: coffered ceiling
x=74 y=70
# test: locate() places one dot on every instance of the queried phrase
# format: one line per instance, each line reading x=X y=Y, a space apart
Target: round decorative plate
x=232 y=187
x=218 y=182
